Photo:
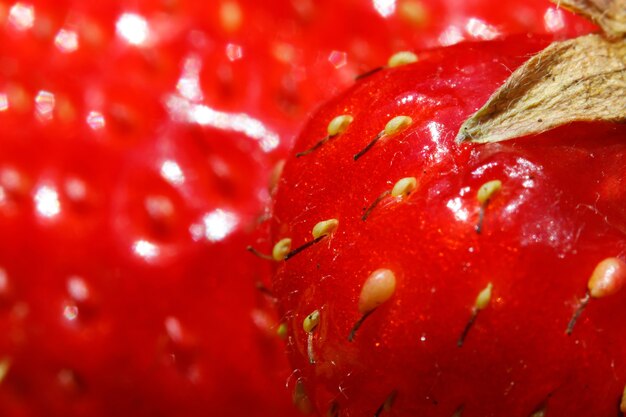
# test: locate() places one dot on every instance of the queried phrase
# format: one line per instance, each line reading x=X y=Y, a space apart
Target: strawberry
x=118 y=288
x=125 y=289
x=137 y=138
x=420 y=276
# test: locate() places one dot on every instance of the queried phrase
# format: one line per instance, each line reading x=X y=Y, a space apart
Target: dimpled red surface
x=560 y=211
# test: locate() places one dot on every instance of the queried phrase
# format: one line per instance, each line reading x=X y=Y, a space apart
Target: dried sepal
x=583 y=79
x=610 y=15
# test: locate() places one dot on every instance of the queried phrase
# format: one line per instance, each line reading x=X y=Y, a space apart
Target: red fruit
x=125 y=288
x=113 y=270
x=429 y=297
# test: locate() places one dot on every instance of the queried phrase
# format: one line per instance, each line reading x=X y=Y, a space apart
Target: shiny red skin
x=561 y=210
x=117 y=357
x=315 y=49
x=90 y=326
x=178 y=333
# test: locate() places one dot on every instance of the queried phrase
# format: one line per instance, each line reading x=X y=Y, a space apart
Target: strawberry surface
x=445 y=300
x=119 y=291
x=125 y=288
x=137 y=139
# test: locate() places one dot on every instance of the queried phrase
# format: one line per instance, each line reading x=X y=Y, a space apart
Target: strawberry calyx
x=578 y=80
x=610 y=15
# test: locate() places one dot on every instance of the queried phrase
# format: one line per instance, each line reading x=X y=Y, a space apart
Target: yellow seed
x=5 y=364
x=324 y=228
x=66 y=110
x=607 y=278
x=281 y=249
x=311 y=321
x=404 y=187
x=622 y=406
x=378 y=288
x=301 y=399
x=539 y=413
x=231 y=15
x=484 y=297
x=487 y=190
x=402 y=58
x=277 y=172
x=281 y=331
x=18 y=98
x=397 y=124
x=339 y=124
x=413 y=11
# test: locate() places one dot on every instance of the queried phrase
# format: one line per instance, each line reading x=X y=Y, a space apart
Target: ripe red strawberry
x=445 y=279
x=125 y=289
x=119 y=292
x=123 y=217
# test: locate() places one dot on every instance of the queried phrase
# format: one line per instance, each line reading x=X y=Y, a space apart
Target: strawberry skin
x=125 y=288
x=113 y=289
x=469 y=314
x=119 y=294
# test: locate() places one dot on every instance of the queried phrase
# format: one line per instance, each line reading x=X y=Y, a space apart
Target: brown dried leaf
x=583 y=79
x=610 y=15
